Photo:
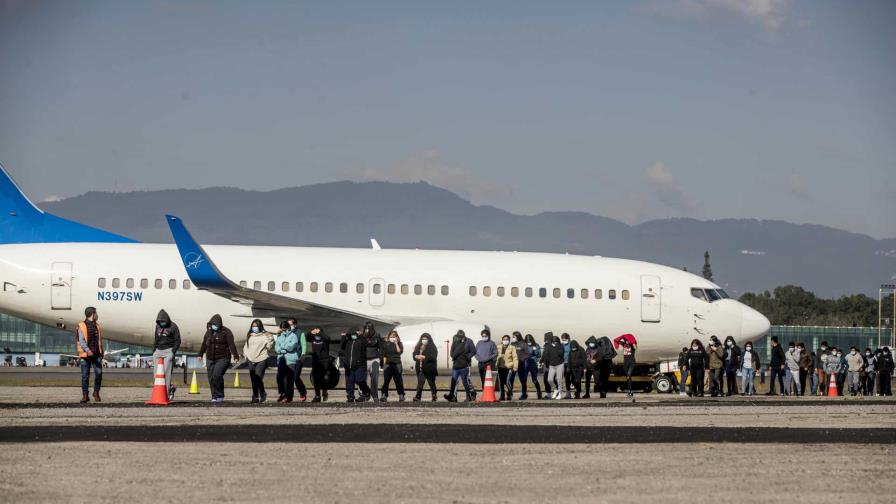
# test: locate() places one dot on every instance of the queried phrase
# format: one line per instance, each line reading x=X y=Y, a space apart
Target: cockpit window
x=723 y=294
x=712 y=295
x=698 y=293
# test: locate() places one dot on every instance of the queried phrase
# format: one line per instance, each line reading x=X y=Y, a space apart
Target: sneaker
x=434 y=399
x=416 y=399
x=254 y=400
x=384 y=399
x=315 y=399
x=522 y=397
x=302 y=398
x=586 y=396
x=401 y=398
x=263 y=398
x=450 y=398
x=350 y=399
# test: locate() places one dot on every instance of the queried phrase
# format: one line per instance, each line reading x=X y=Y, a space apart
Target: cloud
x=667 y=190
x=770 y=13
x=429 y=166
x=657 y=196
x=794 y=185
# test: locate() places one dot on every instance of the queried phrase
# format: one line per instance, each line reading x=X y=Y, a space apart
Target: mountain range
x=747 y=255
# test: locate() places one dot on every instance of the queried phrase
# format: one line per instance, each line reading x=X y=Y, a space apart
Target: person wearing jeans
x=776 y=367
x=353 y=352
x=462 y=353
x=532 y=367
x=870 y=372
x=792 y=370
x=303 y=351
x=89 y=345
x=749 y=365
x=165 y=345
x=287 y=349
x=552 y=357
x=256 y=350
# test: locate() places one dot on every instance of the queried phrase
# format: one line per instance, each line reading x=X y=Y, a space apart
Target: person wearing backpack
x=605 y=355
x=698 y=363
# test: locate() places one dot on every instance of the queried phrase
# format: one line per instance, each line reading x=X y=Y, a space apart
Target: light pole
x=891 y=290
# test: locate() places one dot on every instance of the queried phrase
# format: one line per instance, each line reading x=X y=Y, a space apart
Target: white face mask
x=393 y=340
x=424 y=341
x=695 y=347
x=853 y=352
x=485 y=338
x=868 y=354
x=729 y=344
x=749 y=348
x=506 y=342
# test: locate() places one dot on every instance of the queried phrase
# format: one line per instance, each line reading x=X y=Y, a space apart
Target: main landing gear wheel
x=663 y=384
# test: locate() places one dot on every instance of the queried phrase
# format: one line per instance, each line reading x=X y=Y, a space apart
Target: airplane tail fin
x=21 y=221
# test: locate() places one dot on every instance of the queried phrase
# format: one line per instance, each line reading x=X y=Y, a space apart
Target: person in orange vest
x=89 y=344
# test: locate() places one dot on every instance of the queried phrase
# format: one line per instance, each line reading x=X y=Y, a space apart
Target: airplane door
x=377 y=288
x=651 y=300
x=61 y=286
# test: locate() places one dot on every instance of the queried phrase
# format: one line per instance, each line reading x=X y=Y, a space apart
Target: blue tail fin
x=22 y=222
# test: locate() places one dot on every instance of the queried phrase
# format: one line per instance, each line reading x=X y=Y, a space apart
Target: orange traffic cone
x=488 y=388
x=159 y=387
x=832 y=386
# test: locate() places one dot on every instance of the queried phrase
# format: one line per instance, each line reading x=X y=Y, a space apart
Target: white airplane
x=52 y=268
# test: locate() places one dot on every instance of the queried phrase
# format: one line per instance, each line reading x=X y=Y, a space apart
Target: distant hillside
x=747 y=254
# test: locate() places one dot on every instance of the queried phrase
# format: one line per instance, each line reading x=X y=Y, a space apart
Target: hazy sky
x=636 y=110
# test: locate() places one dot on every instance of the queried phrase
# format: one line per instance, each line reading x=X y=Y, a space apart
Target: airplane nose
x=753 y=324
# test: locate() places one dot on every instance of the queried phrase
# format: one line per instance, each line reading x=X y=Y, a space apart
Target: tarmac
x=657 y=447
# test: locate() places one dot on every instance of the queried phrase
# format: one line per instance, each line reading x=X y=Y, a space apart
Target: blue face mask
x=214 y=327
x=163 y=324
x=256 y=330
x=354 y=336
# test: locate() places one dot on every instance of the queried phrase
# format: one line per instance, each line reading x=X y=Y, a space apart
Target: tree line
x=793 y=305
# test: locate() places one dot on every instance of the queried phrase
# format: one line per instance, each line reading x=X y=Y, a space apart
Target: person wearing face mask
x=507 y=365
x=870 y=372
x=716 y=360
x=810 y=374
x=462 y=352
x=300 y=363
x=749 y=363
x=486 y=353
x=804 y=362
x=354 y=359
x=832 y=367
x=577 y=366
x=553 y=362
x=885 y=371
x=321 y=360
x=375 y=349
x=165 y=345
x=821 y=356
x=854 y=364
x=89 y=345
x=731 y=365
x=258 y=347
x=590 y=366
x=392 y=370
x=698 y=362
x=567 y=376
x=286 y=347
x=532 y=364
x=426 y=356
x=629 y=346
x=683 y=370
x=605 y=355
x=776 y=367
x=792 y=373
x=843 y=370
x=522 y=361
x=548 y=338
x=219 y=352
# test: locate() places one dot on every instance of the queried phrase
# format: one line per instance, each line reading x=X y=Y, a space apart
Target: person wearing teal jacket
x=303 y=351
x=287 y=348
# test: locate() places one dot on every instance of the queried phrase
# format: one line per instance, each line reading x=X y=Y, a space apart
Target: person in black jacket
x=552 y=357
x=426 y=356
x=683 y=370
x=698 y=363
x=548 y=339
x=576 y=366
x=605 y=355
x=732 y=363
x=522 y=356
x=354 y=360
x=320 y=362
x=590 y=366
x=776 y=367
x=885 y=370
x=462 y=353
x=375 y=346
x=219 y=352
x=392 y=370
x=165 y=345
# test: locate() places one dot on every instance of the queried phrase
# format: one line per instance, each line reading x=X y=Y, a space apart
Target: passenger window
x=377 y=288
x=187 y=285
x=611 y=294
x=431 y=290
x=556 y=293
x=256 y=285
x=486 y=291
x=598 y=294
x=313 y=286
x=418 y=289
x=343 y=288
x=444 y=290
x=116 y=283
x=404 y=289
x=514 y=292
x=390 y=289
x=359 y=288
x=328 y=287
x=300 y=286
x=144 y=283
x=158 y=283
x=528 y=291
x=500 y=292
x=584 y=293
x=570 y=293
x=242 y=283
x=698 y=293
x=472 y=290
x=625 y=295
x=272 y=286
x=101 y=283
x=542 y=292
x=284 y=286
x=129 y=283
x=172 y=284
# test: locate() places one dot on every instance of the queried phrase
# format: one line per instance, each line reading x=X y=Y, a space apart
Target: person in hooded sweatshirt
x=885 y=371
x=576 y=366
x=303 y=351
x=486 y=354
x=462 y=352
x=392 y=370
x=548 y=338
x=286 y=346
x=605 y=355
x=219 y=352
x=590 y=366
x=353 y=352
x=567 y=377
x=426 y=365
x=749 y=366
x=683 y=371
x=870 y=372
x=832 y=368
x=805 y=362
x=792 y=372
x=698 y=363
x=507 y=365
x=258 y=347
x=320 y=362
x=375 y=349
x=821 y=357
x=532 y=364
x=553 y=363
x=776 y=367
x=854 y=364
x=165 y=345
x=522 y=360
x=716 y=360
x=731 y=365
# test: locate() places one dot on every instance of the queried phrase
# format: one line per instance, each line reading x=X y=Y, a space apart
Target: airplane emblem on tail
x=192 y=260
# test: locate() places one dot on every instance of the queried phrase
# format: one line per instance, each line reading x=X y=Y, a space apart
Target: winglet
x=200 y=268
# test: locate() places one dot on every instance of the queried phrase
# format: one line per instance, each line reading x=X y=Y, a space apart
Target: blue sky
x=770 y=109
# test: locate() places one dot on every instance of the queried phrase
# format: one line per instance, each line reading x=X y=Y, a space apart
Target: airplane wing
x=207 y=276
